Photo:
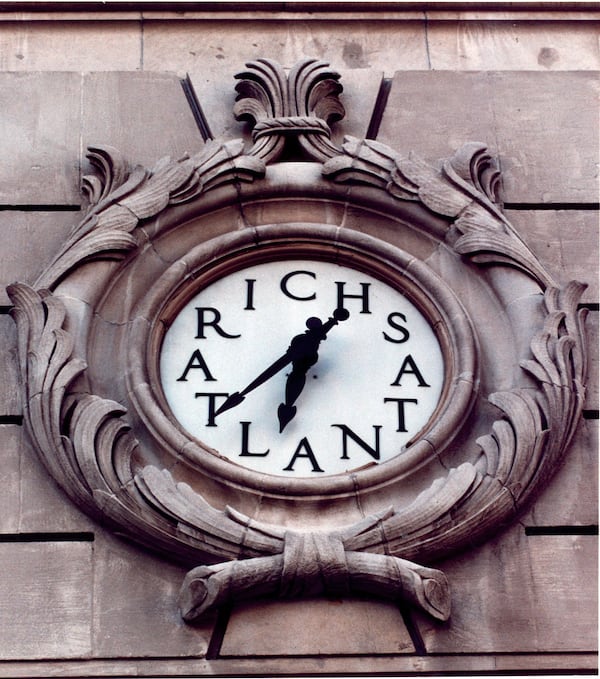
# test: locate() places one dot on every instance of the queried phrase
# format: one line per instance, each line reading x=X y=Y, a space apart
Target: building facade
x=465 y=139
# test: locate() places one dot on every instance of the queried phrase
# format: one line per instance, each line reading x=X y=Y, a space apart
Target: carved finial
x=300 y=105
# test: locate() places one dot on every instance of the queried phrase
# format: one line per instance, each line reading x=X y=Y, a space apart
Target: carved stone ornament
x=90 y=333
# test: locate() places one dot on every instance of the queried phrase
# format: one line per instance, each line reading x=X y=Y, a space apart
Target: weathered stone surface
x=547 y=129
x=135 y=612
x=381 y=45
x=30 y=240
x=543 y=126
x=565 y=578
x=40 y=138
x=523 y=582
x=438 y=40
x=72 y=46
x=477 y=45
x=593 y=335
x=10 y=396
x=46 y=600
x=571 y=496
x=32 y=501
x=10 y=480
x=388 y=665
x=318 y=626
x=565 y=241
x=145 y=116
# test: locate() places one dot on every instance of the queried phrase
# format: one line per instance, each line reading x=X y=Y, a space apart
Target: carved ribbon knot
x=290 y=125
x=314 y=564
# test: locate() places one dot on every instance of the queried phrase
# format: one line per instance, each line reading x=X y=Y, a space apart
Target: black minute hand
x=293 y=353
x=238 y=396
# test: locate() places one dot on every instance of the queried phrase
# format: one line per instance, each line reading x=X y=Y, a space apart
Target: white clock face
x=352 y=389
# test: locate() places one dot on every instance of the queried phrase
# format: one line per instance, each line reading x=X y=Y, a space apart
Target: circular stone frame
x=390 y=264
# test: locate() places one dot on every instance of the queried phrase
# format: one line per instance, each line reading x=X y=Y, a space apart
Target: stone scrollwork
x=463 y=189
x=313 y=564
x=95 y=450
x=298 y=105
x=120 y=197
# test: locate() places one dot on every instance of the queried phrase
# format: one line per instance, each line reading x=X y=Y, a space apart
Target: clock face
x=301 y=368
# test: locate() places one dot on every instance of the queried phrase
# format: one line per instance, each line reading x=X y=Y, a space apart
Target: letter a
x=196 y=361
x=409 y=367
x=308 y=454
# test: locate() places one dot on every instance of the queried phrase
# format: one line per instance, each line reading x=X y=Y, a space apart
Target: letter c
x=284 y=285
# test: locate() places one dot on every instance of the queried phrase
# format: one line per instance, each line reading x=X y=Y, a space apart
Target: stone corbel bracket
x=97 y=450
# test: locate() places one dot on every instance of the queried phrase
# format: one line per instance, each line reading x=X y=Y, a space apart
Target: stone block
x=145 y=116
x=547 y=131
x=10 y=396
x=69 y=45
x=361 y=87
x=565 y=242
x=489 y=584
x=219 y=48
x=564 y=572
x=40 y=138
x=543 y=126
x=46 y=600
x=34 y=502
x=496 y=44
x=135 y=605
x=434 y=113
x=316 y=627
x=593 y=338
x=30 y=240
x=10 y=480
x=508 y=594
x=571 y=496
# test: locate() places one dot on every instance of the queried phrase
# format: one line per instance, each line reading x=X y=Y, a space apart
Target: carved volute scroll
x=89 y=332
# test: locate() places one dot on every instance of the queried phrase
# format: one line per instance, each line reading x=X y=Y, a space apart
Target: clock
x=302 y=367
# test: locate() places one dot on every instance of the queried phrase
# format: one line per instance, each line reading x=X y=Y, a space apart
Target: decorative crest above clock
x=94 y=326
x=288 y=109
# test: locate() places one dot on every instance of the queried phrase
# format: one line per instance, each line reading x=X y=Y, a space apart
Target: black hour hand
x=293 y=388
x=304 y=355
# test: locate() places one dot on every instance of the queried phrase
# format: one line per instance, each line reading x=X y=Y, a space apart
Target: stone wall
x=77 y=600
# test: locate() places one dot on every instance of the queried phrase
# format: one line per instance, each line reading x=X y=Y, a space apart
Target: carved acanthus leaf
x=114 y=178
x=488 y=239
x=516 y=458
x=464 y=189
x=85 y=442
x=300 y=104
x=122 y=197
x=475 y=170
